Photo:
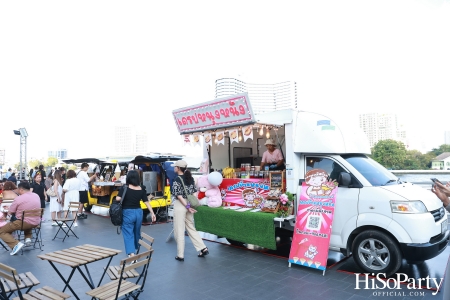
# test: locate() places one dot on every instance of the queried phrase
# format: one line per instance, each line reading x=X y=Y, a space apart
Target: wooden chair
x=118 y=288
x=114 y=271
x=36 y=237
x=66 y=221
x=11 y=282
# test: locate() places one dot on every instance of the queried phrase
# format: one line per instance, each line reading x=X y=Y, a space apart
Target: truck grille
x=438 y=214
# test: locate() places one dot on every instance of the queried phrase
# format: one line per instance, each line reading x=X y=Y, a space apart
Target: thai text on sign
x=312 y=233
x=230 y=111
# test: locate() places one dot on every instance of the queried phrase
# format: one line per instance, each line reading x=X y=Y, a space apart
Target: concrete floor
x=227 y=273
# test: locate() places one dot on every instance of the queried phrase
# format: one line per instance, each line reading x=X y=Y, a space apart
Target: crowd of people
x=32 y=194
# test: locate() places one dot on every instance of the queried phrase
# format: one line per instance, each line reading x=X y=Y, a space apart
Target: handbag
x=51 y=192
x=115 y=211
x=190 y=198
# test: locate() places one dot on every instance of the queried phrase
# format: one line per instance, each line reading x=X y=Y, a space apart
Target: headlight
x=408 y=207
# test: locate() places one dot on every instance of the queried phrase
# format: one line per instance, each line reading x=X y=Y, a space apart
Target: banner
x=233 y=135
x=247 y=132
x=208 y=139
x=220 y=137
x=196 y=140
x=186 y=139
x=312 y=233
x=244 y=192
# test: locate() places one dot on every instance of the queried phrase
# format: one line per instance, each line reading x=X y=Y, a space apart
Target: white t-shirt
x=84 y=178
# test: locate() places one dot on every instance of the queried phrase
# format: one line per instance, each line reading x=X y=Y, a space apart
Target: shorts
x=84 y=197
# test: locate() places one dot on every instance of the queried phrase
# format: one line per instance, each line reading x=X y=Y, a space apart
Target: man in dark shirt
x=13 y=178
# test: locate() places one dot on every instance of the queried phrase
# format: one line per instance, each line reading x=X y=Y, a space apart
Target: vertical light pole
x=23 y=149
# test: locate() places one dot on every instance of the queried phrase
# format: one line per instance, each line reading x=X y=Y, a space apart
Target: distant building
x=447 y=137
x=128 y=140
x=382 y=127
x=59 y=154
x=441 y=162
x=263 y=97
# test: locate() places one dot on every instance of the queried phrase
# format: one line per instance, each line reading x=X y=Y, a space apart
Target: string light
x=268 y=133
x=261 y=131
x=240 y=136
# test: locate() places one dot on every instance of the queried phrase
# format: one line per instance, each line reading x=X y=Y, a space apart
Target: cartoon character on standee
x=209 y=192
x=249 y=196
x=318 y=185
x=311 y=252
x=223 y=193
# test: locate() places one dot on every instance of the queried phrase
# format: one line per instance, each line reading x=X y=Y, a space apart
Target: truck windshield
x=375 y=173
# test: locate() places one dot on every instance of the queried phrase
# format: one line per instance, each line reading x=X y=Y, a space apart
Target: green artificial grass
x=256 y=228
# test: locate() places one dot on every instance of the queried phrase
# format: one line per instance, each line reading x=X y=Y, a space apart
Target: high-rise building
x=263 y=97
x=59 y=154
x=128 y=140
x=382 y=127
x=447 y=137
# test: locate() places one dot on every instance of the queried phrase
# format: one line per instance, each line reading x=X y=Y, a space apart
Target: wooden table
x=78 y=256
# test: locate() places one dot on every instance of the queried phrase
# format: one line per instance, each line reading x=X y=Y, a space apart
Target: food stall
x=234 y=143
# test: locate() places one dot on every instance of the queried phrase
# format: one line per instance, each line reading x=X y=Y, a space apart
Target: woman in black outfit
x=38 y=187
x=132 y=212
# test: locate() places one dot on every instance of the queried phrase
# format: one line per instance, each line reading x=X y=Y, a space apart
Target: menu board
x=276 y=180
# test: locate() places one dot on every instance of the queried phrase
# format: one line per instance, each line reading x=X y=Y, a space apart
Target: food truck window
x=331 y=167
x=242 y=155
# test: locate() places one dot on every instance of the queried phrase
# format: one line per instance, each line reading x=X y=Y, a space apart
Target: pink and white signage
x=220 y=113
x=312 y=232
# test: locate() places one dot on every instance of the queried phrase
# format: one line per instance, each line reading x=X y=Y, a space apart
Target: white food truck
x=378 y=218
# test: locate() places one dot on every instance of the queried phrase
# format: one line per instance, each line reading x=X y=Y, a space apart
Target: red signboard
x=220 y=113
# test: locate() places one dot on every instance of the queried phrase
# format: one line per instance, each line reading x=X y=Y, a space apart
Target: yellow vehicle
x=156 y=175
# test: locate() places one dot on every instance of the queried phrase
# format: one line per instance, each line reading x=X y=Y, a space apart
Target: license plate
x=444 y=226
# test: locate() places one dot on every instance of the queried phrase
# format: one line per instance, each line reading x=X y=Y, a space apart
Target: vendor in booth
x=272 y=157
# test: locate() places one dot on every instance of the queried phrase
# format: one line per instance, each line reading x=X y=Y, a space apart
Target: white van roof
x=316 y=133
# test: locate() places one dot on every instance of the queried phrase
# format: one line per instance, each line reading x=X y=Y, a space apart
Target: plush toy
x=210 y=185
x=202 y=185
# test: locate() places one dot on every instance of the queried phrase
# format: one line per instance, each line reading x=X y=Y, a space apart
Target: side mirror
x=344 y=179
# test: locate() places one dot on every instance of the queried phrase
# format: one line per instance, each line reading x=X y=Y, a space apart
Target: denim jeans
x=131 y=229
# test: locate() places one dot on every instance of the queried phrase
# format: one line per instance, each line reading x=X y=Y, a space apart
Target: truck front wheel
x=376 y=252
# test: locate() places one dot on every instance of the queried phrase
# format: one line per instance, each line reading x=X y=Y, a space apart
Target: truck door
x=346 y=206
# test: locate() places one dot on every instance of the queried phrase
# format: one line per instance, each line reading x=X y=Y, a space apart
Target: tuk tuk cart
x=156 y=175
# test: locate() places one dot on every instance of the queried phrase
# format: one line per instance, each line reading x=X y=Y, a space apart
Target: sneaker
x=64 y=225
x=17 y=248
x=75 y=224
x=54 y=223
x=59 y=222
x=27 y=242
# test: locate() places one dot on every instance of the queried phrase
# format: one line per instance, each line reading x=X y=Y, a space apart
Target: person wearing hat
x=183 y=214
x=272 y=157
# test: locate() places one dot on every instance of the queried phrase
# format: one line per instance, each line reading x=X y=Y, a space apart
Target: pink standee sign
x=315 y=212
x=230 y=111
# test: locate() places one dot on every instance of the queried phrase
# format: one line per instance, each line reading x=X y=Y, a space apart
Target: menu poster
x=244 y=192
x=312 y=233
x=220 y=137
x=208 y=139
x=234 y=137
x=247 y=132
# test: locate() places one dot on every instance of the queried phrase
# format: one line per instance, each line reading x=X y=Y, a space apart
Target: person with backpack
x=132 y=212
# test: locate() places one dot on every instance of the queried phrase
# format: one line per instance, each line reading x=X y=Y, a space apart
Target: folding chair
x=114 y=271
x=122 y=287
x=67 y=222
x=11 y=282
x=35 y=231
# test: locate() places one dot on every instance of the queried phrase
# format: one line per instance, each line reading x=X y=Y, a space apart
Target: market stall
x=251 y=188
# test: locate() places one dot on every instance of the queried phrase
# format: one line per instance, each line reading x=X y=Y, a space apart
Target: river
x=422 y=178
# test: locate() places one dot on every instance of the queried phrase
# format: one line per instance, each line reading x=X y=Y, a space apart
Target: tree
x=35 y=163
x=389 y=153
x=51 y=162
x=441 y=149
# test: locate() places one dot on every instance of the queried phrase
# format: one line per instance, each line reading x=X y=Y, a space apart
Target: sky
x=71 y=71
